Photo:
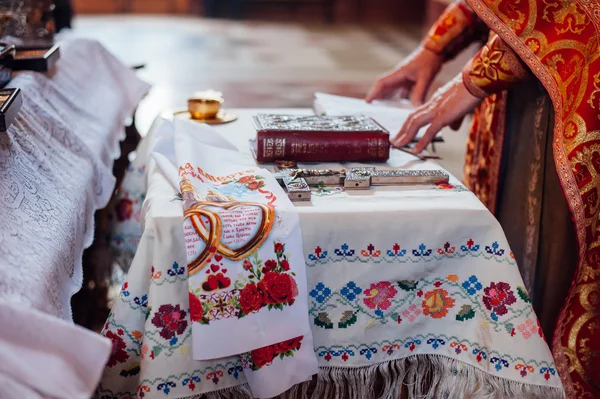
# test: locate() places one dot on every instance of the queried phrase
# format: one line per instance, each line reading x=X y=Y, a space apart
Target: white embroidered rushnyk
x=251 y=279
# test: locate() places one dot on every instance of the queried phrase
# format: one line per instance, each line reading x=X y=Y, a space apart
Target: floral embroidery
x=500 y=363
x=448 y=249
x=124 y=291
x=196 y=310
x=423 y=253
x=259 y=358
x=396 y=251
x=393 y=302
x=497 y=297
x=470 y=246
x=524 y=369
x=529 y=329
x=214 y=376
x=547 y=371
x=412 y=312
x=370 y=251
x=466 y=313
x=268 y=285
x=279 y=289
x=437 y=303
x=397 y=349
x=176 y=270
x=472 y=285
x=251 y=182
x=351 y=291
x=494 y=249
x=480 y=355
x=458 y=347
x=190 y=382
x=319 y=254
x=171 y=321
x=118 y=353
x=436 y=342
x=523 y=294
x=322 y=320
x=379 y=295
x=486 y=64
x=320 y=292
x=344 y=251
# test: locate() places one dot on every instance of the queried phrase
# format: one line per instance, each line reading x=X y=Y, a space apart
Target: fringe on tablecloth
x=416 y=377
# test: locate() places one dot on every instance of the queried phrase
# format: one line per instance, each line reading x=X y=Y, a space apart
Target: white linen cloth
x=55 y=171
x=259 y=299
x=406 y=284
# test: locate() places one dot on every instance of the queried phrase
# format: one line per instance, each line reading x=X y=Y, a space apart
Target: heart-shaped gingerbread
x=244 y=226
x=197 y=215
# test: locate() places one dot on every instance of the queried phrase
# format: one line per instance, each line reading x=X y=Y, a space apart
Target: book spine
x=322 y=147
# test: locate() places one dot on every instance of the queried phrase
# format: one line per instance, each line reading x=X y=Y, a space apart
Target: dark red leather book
x=320 y=139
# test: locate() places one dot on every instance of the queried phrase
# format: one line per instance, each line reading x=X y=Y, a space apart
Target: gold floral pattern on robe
x=559 y=41
x=456 y=29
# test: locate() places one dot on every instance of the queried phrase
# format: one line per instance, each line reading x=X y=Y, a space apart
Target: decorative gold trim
x=212 y=239
x=564 y=170
x=264 y=230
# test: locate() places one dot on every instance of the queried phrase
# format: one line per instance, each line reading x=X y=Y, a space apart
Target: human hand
x=411 y=79
x=447 y=107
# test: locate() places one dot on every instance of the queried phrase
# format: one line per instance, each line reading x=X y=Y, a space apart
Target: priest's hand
x=411 y=79
x=447 y=107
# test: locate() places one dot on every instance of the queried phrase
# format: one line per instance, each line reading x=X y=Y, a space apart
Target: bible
x=320 y=139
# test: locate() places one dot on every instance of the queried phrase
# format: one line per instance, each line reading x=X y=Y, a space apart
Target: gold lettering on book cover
x=269 y=145
x=279 y=148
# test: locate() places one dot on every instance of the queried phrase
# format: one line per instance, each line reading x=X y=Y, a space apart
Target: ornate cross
x=297 y=182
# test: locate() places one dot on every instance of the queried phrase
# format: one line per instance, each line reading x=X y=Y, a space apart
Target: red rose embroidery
x=255 y=185
x=171 y=320
x=278 y=288
x=251 y=299
x=289 y=345
x=270 y=265
x=196 y=312
x=245 y=179
x=247 y=265
x=278 y=247
x=497 y=297
x=263 y=356
x=285 y=264
x=118 y=353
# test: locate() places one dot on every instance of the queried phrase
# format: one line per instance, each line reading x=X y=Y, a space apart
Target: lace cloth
x=55 y=172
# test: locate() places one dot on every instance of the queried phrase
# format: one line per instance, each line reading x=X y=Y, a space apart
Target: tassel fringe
x=416 y=377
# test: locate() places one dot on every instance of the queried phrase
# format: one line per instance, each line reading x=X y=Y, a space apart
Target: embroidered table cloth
x=412 y=285
x=55 y=171
x=245 y=263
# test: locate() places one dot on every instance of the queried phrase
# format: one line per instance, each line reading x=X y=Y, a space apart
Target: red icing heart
x=214 y=268
x=224 y=270
x=224 y=282
x=218 y=258
x=207 y=271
